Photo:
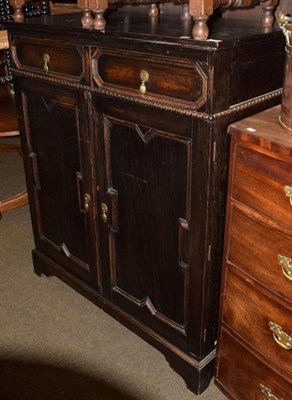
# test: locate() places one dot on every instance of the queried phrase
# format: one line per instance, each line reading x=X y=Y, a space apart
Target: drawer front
x=250 y=314
x=48 y=58
x=240 y=374
x=259 y=182
x=265 y=253
x=174 y=81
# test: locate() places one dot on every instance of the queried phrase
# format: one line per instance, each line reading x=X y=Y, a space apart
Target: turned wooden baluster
x=268 y=7
x=30 y=9
x=97 y=7
x=87 y=19
x=185 y=14
x=153 y=10
x=17 y=7
x=201 y=10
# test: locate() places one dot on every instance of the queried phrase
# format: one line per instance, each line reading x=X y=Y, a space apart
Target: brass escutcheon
x=286 y=265
x=281 y=338
x=104 y=210
x=144 y=76
x=46 y=59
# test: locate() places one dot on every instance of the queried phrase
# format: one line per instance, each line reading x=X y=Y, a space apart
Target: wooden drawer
x=259 y=182
x=178 y=81
x=48 y=58
x=249 y=312
x=261 y=252
x=240 y=374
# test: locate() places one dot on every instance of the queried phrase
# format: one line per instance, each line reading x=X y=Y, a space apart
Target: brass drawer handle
x=281 y=338
x=288 y=192
x=286 y=265
x=144 y=76
x=46 y=59
x=87 y=200
x=104 y=210
x=267 y=393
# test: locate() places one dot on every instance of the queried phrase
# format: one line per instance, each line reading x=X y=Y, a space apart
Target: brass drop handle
x=288 y=193
x=281 y=338
x=267 y=393
x=46 y=59
x=87 y=200
x=144 y=76
x=104 y=210
x=286 y=265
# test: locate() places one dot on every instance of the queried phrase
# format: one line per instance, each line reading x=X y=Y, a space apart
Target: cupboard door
x=145 y=208
x=59 y=169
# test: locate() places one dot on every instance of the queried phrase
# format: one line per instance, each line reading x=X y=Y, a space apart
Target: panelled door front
x=144 y=216
x=59 y=165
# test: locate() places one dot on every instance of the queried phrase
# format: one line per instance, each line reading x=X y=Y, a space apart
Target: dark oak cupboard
x=125 y=149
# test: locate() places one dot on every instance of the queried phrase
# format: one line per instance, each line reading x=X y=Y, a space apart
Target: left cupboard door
x=58 y=156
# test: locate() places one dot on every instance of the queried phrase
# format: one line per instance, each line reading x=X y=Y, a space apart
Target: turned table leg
x=153 y=10
x=97 y=7
x=99 y=23
x=268 y=7
x=200 y=30
x=201 y=10
x=87 y=19
x=185 y=15
x=17 y=7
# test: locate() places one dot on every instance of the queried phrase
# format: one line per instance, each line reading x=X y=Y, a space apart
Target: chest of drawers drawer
x=262 y=323
x=263 y=183
x=178 y=81
x=265 y=253
x=48 y=58
x=243 y=376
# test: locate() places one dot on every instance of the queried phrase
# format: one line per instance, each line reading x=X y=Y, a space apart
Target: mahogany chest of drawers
x=255 y=340
x=125 y=149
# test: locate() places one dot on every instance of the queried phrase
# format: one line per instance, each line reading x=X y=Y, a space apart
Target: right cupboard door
x=144 y=214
